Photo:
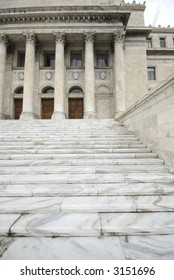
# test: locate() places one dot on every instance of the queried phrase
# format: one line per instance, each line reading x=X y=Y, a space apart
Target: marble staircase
x=81 y=178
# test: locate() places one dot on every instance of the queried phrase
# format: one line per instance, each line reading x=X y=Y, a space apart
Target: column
x=59 y=90
x=89 y=76
x=3 y=50
x=119 y=106
x=29 y=75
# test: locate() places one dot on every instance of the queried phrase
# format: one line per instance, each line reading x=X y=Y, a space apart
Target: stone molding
x=59 y=37
x=3 y=39
x=119 y=36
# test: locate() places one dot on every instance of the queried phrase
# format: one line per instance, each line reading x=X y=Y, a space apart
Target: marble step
x=94 y=147
x=56 y=189
x=90 y=224
x=135 y=154
x=121 y=149
x=81 y=162
x=86 y=224
x=87 y=204
x=82 y=169
x=136 y=177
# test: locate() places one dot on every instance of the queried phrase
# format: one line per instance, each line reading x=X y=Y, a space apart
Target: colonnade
x=59 y=111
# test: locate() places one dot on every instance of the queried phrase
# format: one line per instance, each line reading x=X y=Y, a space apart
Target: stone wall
x=152 y=119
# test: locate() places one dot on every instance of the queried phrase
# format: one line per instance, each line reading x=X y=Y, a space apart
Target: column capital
x=3 y=39
x=59 y=37
x=30 y=37
x=118 y=36
x=89 y=37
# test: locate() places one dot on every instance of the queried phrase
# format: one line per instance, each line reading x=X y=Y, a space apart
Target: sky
x=159 y=12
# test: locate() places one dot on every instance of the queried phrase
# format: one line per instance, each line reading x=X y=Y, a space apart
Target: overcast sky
x=159 y=12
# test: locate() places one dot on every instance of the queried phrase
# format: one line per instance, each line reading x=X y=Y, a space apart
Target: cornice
x=74 y=14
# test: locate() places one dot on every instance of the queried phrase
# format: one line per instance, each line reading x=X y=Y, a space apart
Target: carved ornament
x=3 y=39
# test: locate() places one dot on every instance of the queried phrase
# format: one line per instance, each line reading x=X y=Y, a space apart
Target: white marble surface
x=64 y=224
x=6 y=221
x=30 y=204
x=74 y=248
x=154 y=247
x=137 y=223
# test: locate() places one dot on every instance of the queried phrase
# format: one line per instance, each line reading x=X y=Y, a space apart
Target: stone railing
x=152 y=119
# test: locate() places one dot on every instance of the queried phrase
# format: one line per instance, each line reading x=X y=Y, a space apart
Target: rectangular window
x=102 y=59
x=151 y=73
x=76 y=59
x=21 y=59
x=49 y=59
x=149 y=43
x=162 y=42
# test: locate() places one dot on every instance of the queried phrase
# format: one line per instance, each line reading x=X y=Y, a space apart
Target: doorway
x=47 y=108
x=75 y=106
x=18 y=102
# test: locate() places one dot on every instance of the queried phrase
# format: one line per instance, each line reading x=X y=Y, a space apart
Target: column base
x=27 y=116
x=58 y=116
x=90 y=115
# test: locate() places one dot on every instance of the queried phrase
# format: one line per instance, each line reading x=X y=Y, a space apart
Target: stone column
x=59 y=90
x=89 y=76
x=3 y=50
x=29 y=70
x=119 y=106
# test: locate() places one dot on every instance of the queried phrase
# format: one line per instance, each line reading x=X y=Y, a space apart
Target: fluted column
x=89 y=76
x=59 y=90
x=29 y=70
x=3 y=50
x=119 y=73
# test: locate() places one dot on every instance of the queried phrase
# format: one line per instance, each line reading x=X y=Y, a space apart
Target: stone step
x=81 y=162
x=87 y=204
x=72 y=146
x=86 y=224
x=82 y=169
x=123 y=154
x=56 y=189
x=133 y=177
x=136 y=149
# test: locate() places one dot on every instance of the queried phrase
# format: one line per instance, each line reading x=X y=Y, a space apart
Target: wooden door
x=47 y=108
x=75 y=108
x=17 y=107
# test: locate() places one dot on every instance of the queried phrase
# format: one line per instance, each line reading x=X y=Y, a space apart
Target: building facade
x=78 y=59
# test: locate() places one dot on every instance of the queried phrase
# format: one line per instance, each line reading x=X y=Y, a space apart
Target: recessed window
x=21 y=59
x=162 y=42
x=102 y=59
x=76 y=90
x=151 y=73
x=48 y=90
x=76 y=60
x=49 y=59
x=149 y=43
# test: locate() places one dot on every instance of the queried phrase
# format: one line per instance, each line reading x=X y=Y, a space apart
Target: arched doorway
x=47 y=106
x=18 y=102
x=75 y=103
